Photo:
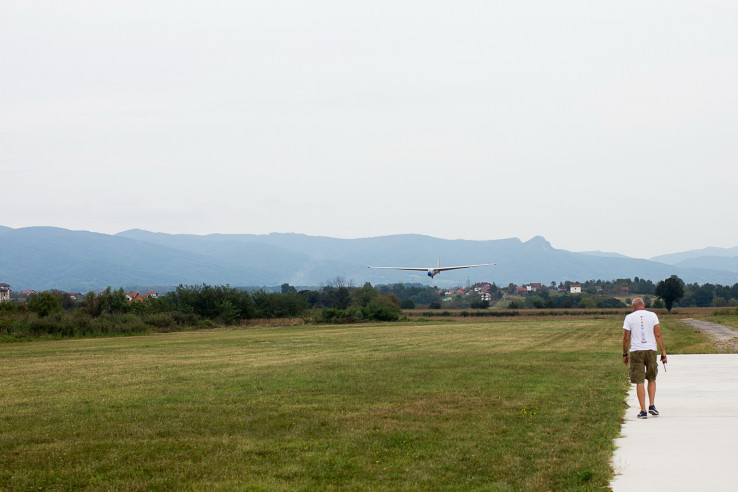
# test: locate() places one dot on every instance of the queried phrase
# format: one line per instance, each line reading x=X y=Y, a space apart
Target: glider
x=433 y=271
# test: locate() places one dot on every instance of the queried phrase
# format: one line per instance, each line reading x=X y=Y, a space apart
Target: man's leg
x=651 y=393
x=641 y=392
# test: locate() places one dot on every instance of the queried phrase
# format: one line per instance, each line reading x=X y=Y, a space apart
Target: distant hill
x=604 y=254
x=708 y=258
x=711 y=262
x=46 y=257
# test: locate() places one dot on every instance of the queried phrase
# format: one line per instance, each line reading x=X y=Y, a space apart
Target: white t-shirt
x=640 y=325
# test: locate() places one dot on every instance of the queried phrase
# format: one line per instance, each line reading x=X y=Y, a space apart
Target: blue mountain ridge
x=42 y=258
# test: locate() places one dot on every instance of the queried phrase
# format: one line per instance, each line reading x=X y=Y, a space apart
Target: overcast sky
x=599 y=125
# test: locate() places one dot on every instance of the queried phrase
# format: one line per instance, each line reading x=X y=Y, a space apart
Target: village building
x=4 y=292
x=138 y=297
x=575 y=289
x=483 y=287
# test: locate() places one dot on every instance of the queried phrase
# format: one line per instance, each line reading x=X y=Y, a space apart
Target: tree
x=363 y=295
x=337 y=293
x=288 y=289
x=670 y=290
x=703 y=295
x=44 y=303
x=407 y=304
x=612 y=302
x=382 y=308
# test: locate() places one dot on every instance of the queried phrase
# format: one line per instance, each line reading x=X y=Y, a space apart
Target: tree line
x=54 y=313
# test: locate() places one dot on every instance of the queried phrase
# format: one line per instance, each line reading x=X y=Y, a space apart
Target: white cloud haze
x=598 y=125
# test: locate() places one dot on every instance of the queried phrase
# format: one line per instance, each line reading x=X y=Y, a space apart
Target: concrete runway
x=693 y=444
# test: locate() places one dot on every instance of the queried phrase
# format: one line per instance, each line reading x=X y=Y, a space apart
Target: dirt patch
x=726 y=337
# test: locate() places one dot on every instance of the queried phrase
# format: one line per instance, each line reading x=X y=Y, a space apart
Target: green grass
x=725 y=317
x=683 y=339
x=492 y=405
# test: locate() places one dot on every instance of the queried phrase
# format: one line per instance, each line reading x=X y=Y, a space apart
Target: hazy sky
x=599 y=125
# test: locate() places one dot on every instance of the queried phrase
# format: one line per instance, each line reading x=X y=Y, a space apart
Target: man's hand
x=625 y=360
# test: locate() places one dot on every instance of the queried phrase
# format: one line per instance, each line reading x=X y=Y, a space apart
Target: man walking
x=641 y=336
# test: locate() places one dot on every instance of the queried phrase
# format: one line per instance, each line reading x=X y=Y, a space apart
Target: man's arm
x=660 y=341
x=626 y=345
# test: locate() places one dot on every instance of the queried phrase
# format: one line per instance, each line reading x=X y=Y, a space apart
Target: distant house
x=483 y=287
x=575 y=289
x=521 y=290
x=29 y=292
x=534 y=287
x=152 y=293
x=131 y=296
x=4 y=292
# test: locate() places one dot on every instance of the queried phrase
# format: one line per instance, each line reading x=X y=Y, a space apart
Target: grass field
x=491 y=405
x=728 y=318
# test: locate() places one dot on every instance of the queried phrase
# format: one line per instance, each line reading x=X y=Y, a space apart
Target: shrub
x=333 y=315
x=11 y=307
x=159 y=320
x=611 y=303
x=44 y=304
x=378 y=311
x=407 y=304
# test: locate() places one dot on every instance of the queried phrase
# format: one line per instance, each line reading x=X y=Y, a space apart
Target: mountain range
x=41 y=258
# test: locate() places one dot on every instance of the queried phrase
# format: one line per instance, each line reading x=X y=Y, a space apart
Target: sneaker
x=643 y=415
x=652 y=410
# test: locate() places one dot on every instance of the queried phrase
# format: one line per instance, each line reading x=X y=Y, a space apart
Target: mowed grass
x=730 y=319
x=493 y=405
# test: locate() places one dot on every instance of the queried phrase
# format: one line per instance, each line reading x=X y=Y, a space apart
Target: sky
x=603 y=126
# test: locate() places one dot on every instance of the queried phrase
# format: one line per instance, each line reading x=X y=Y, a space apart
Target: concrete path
x=693 y=444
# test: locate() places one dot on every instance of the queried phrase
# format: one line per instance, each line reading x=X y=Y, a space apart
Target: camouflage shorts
x=643 y=365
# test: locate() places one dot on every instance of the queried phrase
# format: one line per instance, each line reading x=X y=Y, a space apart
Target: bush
x=11 y=307
x=159 y=320
x=334 y=315
x=44 y=304
x=611 y=303
x=377 y=311
x=407 y=304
